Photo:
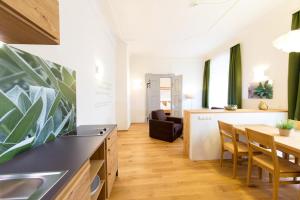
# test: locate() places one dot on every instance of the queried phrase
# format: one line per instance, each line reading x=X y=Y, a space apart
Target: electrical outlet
x=204 y=118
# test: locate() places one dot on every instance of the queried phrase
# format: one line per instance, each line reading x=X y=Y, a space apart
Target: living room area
x=150 y=99
x=170 y=144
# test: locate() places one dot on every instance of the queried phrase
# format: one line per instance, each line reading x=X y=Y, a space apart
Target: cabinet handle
x=108 y=149
x=108 y=138
x=109 y=174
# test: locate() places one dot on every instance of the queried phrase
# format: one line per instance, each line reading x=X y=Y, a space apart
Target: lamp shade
x=189 y=96
x=289 y=42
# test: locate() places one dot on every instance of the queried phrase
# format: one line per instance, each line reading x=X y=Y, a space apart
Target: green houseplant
x=285 y=127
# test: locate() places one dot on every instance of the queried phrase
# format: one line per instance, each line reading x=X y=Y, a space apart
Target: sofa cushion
x=159 y=115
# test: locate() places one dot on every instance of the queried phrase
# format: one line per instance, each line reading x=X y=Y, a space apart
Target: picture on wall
x=37 y=101
x=261 y=90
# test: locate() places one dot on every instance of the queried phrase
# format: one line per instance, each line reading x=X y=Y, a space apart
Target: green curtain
x=235 y=77
x=205 y=91
x=293 y=77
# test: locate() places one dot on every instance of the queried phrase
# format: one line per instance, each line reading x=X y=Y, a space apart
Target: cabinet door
x=44 y=14
x=112 y=160
x=112 y=157
x=112 y=167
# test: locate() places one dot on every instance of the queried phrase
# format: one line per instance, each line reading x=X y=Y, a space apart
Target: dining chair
x=230 y=143
x=268 y=160
x=297 y=128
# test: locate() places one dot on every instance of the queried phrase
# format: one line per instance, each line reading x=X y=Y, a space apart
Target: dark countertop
x=65 y=153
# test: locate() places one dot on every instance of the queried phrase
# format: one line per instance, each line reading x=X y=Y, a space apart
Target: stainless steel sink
x=30 y=186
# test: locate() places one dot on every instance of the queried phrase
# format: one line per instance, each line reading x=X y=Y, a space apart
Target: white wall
x=190 y=68
x=122 y=87
x=259 y=53
x=86 y=41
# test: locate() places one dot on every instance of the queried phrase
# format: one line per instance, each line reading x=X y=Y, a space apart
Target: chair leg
x=297 y=163
x=275 y=186
x=249 y=170
x=259 y=173
x=221 y=159
x=296 y=160
x=235 y=159
x=270 y=178
x=285 y=155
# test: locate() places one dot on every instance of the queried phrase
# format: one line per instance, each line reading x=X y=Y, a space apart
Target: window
x=219 y=73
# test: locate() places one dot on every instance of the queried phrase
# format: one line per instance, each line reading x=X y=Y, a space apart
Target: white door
x=177 y=96
x=152 y=93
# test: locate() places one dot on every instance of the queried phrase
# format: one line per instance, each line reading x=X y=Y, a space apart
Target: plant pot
x=285 y=132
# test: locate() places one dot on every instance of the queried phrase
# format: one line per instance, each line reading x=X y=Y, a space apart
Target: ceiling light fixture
x=289 y=42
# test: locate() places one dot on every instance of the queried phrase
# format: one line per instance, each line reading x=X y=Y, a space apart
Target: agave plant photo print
x=37 y=101
x=261 y=90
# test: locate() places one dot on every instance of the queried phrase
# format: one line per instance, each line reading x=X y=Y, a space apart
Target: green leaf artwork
x=37 y=101
x=261 y=90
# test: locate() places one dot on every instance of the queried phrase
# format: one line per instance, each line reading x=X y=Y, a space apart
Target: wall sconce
x=259 y=73
x=137 y=84
x=99 y=72
x=189 y=97
x=289 y=42
x=189 y=92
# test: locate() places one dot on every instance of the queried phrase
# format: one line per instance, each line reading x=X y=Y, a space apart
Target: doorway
x=166 y=95
x=164 y=91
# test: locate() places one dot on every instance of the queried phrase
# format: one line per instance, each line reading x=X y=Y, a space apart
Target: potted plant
x=285 y=127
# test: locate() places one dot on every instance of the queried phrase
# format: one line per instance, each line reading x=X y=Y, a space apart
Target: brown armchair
x=165 y=128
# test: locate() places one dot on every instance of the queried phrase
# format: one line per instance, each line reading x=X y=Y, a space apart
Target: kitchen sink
x=30 y=186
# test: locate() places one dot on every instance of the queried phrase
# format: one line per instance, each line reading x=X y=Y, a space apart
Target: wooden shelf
x=95 y=167
x=96 y=195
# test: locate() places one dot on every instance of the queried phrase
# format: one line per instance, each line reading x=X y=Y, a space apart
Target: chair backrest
x=262 y=142
x=227 y=131
x=158 y=115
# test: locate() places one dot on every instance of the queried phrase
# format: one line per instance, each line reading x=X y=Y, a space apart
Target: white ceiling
x=174 y=28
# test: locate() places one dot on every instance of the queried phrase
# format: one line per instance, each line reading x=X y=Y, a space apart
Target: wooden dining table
x=287 y=144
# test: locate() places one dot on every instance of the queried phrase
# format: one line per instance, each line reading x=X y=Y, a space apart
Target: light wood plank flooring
x=150 y=169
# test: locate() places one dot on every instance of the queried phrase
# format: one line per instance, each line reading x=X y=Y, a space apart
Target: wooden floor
x=150 y=169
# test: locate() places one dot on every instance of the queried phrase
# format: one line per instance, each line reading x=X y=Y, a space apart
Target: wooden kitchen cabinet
x=103 y=163
x=112 y=160
x=79 y=187
x=29 y=21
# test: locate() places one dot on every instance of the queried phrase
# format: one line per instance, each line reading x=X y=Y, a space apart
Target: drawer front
x=112 y=137
x=111 y=176
x=79 y=187
x=80 y=191
x=112 y=157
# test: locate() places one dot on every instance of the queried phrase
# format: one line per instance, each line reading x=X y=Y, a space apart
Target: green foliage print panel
x=37 y=101
x=261 y=90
